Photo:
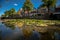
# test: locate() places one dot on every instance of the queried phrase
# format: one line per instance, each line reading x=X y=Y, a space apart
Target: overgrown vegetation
x=32 y=22
x=45 y=27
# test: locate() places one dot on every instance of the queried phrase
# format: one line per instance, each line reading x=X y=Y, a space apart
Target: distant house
x=26 y=13
x=20 y=12
x=33 y=13
x=57 y=13
x=42 y=10
x=39 y=13
x=57 y=10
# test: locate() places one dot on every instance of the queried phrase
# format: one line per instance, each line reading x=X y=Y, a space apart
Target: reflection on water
x=57 y=35
x=7 y=33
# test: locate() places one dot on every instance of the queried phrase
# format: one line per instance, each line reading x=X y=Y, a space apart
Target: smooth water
x=7 y=33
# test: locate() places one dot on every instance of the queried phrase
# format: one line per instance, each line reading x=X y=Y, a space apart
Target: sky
x=17 y=4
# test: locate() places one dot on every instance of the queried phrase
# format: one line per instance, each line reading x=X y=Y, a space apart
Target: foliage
x=49 y=3
x=10 y=24
x=28 y=5
x=12 y=11
x=27 y=30
x=33 y=21
x=8 y=13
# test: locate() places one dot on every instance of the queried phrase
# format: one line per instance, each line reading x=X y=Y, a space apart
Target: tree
x=28 y=6
x=10 y=12
x=49 y=4
x=6 y=13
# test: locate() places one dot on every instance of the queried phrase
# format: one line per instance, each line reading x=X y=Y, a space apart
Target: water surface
x=7 y=33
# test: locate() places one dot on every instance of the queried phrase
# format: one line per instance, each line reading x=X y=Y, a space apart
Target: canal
x=7 y=33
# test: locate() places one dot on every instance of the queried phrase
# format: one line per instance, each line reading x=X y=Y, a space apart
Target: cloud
x=15 y=4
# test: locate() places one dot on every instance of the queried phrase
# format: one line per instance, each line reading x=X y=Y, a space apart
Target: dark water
x=7 y=33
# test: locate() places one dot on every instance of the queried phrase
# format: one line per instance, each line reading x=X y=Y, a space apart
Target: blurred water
x=57 y=35
x=8 y=33
x=17 y=34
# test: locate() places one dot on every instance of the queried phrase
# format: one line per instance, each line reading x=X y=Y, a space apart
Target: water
x=57 y=35
x=7 y=33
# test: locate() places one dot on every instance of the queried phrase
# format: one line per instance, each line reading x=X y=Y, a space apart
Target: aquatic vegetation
x=10 y=24
x=27 y=30
x=33 y=23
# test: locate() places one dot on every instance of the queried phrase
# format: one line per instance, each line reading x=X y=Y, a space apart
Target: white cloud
x=15 y=4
